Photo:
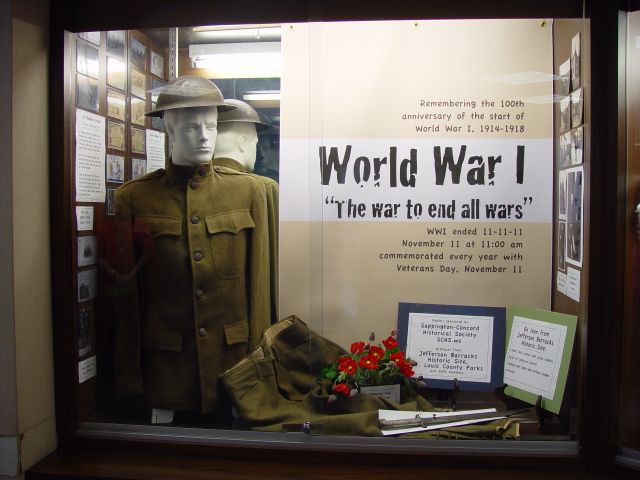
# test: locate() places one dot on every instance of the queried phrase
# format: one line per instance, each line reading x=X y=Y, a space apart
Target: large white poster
x=416 y=166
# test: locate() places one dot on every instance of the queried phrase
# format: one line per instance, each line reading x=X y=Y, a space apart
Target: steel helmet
x=242 y=112
x=188 y=91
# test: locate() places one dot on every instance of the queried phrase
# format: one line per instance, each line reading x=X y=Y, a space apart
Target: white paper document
x=84 y=218
x=403 y=415
x=90 y=157
x=86 y=369
x=155 y=150
x=534 y=355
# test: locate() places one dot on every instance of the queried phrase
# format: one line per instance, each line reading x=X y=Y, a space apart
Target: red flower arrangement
x=369 y=364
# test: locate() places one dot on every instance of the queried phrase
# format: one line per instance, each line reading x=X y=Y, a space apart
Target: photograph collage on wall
x=570 y=159
x=113 y=73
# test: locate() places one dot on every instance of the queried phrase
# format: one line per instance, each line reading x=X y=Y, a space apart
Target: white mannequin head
x=237 y=140
x=192 y=132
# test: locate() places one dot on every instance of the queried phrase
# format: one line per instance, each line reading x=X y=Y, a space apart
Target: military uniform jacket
x=273 y=195
x=200 y=239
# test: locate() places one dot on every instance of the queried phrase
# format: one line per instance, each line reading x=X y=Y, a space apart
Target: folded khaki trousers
x=278 y=384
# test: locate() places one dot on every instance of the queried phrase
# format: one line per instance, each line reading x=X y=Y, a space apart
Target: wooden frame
x=602 y=298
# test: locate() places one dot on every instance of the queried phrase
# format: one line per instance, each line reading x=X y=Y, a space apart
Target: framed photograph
x=138 y=53
x=116 y=105
x=575 y=192
x=426 y=332
x=116 y=73
x=576 y=108
x=87 y=93
x=564 y=82
x=115 y=135
x=562 y=240
x=138 y=141
x=137 y=111
x=566 y=150
x=138 y=83
x=562 y=194
x=577 y=139
x=156 y=122
x=87 y=251
x=93 y=37
x=84 y=331
x=115 y=168
x=87 y=280
x=565 y=114
x=116 y=42
x=87 y=59
x=111 y=201
x=138 y=167
x=575 y=62
x=157 y=64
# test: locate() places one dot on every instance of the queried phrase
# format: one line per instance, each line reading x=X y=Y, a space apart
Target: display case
x=401 y=230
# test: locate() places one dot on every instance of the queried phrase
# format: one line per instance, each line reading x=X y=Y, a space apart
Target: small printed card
x=538 y=355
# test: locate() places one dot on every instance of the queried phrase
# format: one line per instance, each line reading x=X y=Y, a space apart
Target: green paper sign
x=537 y=355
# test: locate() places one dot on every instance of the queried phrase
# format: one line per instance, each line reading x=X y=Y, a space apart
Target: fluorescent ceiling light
x=544 y=99
x=238 y=60
x=247 y=34
x=264 y=95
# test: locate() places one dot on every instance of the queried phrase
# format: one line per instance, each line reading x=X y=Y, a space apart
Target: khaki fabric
x=198 y=240
x=272 y=191
x=278 y=384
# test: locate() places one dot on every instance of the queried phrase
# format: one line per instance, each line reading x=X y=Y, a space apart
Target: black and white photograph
x=137 y=111
x=564 y=80
x=111 y=201
x=562 y=235
x=138 y=141
x=93 y=37
x=138 y=83
x=115 y=135
x=565 y=114
x=138 y=167
x=566 y=148
x=87 y=251
x=116 y=40
x=116 y=105
x=562 y=194
x=577 y=137
x=138 y=53
x=575 y=62
x=87 y=284
x=576 y=108
x=115 y=168
x=575 y=185
x=116 y=73
x=87 y=93
x=157 y=64
x=84 y=331
x=87 y=59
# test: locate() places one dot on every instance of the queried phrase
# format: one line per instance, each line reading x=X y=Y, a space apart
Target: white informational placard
x=155 y=150
x=561 y=282
x=534 y=355
x=87 y=369
x=449 y=347
x=90 y=157
x=573 y=284
x=84 y=218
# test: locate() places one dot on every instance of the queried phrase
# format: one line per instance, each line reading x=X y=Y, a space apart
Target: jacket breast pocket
x=229 y=238
x=159 y=235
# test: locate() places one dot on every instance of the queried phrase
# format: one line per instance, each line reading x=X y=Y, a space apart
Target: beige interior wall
x=25 y=273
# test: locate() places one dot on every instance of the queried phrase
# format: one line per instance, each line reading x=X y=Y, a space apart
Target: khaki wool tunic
x=200 y=239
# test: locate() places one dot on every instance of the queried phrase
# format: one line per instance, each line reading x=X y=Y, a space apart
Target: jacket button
x=202 y=172
x=199 y=294
x=194 y=185
x=197 y=256
x=195 y=219
x=202 y=332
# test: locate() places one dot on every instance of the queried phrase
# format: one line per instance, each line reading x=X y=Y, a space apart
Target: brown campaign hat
x=242 y=113
x=188 y=91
